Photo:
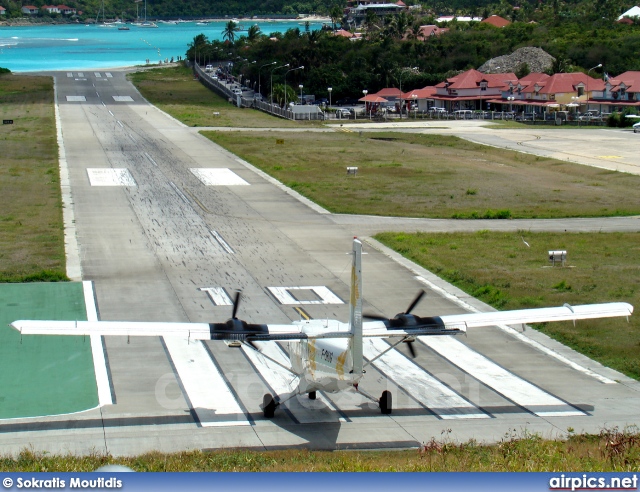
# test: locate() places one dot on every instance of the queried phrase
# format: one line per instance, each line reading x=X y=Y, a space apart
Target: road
x=167 y=225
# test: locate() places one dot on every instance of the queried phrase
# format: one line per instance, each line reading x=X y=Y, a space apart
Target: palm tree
x=229 y=31
x=336 y=15
x=253 y=33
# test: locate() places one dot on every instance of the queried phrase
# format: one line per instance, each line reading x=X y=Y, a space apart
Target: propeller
x=401 y=320
x=236 y=303
x=237 y=329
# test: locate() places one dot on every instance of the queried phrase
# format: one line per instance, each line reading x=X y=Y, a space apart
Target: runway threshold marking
x=420 y=385
x=218 y=295
x=282 y=382
x=507 y=384
x=209 y=395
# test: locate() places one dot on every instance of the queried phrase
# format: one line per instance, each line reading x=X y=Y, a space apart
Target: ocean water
x=76 y=46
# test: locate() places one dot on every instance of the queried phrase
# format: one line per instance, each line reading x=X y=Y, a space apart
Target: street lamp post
x=402 y=100
x=330 y=89
x=300 y=86
x=259 y=79
x=365 y=92
x=587 y=88
x=272 y=70
x=415 y=110
x=510 y=99
x=301 y=67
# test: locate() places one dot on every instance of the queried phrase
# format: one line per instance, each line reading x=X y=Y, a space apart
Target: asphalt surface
x=160 y=244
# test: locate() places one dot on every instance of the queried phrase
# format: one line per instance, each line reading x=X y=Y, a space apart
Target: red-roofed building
x=64 y=10
x=343 y=33
x=496 y=21
x=30 y=9
x=471 y=88
x=51 y=9
x=537 y=92
x=3 y=11
x=422 y=97
x=616 y=93
x=430 y=30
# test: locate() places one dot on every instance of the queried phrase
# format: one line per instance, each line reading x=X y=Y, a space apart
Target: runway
x=168 y=226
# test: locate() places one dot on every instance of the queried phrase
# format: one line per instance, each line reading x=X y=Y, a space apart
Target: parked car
x=237 y=91
x=636 y=127
x=343 y=113
x=435 y=110
x=208 y=68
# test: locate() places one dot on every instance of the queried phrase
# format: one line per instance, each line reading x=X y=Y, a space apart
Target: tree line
x=392 y=55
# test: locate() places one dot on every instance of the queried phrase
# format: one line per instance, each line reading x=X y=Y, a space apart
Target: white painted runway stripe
x=285 y=295
x=180 y=194
x=97 y=349
x=283 y=382
x=108 y=74
x=150 y=158
x=223 y=244
x=512 y=387
x=420 y=385
x=217 y=295
x=209 y=395
x=518 y=335
x=69 y=74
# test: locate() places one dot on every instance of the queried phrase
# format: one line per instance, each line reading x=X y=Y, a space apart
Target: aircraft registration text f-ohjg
x=327 y=355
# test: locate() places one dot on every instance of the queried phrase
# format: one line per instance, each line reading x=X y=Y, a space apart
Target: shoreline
x=25 y=22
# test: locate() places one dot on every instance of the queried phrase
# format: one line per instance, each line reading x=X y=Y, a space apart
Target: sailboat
x=103 y=24
x=146 y=23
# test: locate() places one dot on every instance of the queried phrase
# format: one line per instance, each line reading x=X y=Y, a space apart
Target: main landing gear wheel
x=386 y=402
x=312 y=395
x=268 y=406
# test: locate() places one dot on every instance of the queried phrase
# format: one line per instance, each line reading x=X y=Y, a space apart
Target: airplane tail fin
x=356 y=308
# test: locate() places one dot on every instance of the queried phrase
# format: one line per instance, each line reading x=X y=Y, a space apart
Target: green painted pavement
x=44 y=375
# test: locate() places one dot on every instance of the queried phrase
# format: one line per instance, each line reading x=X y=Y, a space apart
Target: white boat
x=146 y=23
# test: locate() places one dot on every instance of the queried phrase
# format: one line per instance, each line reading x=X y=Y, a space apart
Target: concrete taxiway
x=167 y=225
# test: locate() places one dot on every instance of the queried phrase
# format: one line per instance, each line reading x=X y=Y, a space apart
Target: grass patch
x=432 y=176
x=177 y=92
x=31 y=232
x=610 y=450
x=502 y=271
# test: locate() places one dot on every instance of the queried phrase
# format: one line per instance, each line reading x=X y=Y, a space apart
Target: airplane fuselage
x=323 y=364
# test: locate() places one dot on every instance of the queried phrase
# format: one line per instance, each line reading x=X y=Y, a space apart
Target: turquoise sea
x=76 y=46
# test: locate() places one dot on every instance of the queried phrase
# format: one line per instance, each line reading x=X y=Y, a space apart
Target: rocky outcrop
x=536 y=59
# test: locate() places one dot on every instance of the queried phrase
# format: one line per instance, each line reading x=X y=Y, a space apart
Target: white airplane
x=327 y=355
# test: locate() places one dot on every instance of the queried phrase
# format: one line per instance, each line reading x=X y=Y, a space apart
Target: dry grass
x=31 y=236
x=501 y=270
x=432 y=176
x=611 y=450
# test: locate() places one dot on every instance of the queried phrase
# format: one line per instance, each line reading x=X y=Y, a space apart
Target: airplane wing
x=401 y=325
x=195 y=331
x=453 y=324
